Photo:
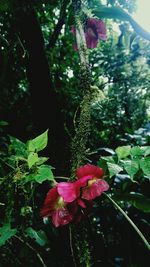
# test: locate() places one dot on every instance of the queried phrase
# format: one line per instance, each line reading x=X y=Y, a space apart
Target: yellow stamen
x=59 y=203
x=92 y=181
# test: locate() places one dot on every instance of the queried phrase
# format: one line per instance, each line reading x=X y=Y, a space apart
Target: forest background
x=43 y=88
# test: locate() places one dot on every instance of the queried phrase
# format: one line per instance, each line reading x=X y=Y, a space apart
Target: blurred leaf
x=131 y=167
x=136 y=151
x=108 y=159
x=5 y=5
x=103 y=164
x=146 y=150
x=109 y=150
x=38 y=236
x=119 y=13
x=145 y=166
x=137 y=200
x=41 y=160
x=3 y=123
x=32 y=159
x=39 y=143
x=5 y=233
x=123 y=151
x=114 y=169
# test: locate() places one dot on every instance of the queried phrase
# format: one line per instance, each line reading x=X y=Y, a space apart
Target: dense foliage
x=42 y=106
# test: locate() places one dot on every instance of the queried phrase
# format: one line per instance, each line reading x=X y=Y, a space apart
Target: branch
x=119 y=13
x=130 y=221
x=60 y=23
x=33 y=249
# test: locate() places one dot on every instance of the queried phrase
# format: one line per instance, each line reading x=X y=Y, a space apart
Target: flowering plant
x=94 y=30
x=68 y=200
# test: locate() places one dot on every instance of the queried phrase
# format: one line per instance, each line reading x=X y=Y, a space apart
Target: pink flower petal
x=73 y=29
x=94 y=30
x=75 y=47
x=91 y=41
x=81 y=203
x=102 y=37
x=49 y=202
x=83 y=181
x=95 y=189
x=89 y=169
x=69 y=191
x=61 y=217
x=45 y=212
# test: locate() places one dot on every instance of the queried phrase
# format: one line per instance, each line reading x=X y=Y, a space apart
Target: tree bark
x=46 y=108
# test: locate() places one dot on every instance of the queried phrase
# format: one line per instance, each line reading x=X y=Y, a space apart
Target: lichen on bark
x=81 y=247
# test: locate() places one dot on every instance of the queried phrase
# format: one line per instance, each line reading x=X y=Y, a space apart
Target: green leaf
x=41 y=160
x=3 y=123
x=137 y=200
x=6 y=233
x=5 y=5
x=131 y=167
x=44 y=173
x=108 y=159
x=136 y=151
x=17 y=147
x=119 y=13
x=146 y=150
x=39 y=143
x=32 y=159
x=145 y=166
x=103 y=164
x=38 y=236
x=109 y=150
x=114 y=169
x=123 y=151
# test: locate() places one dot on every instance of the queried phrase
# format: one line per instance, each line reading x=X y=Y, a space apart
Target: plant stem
x=33 y=249
x=130 y=221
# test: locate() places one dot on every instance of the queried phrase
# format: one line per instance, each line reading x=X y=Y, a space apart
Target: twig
x=74 y=117
x=62 y=177
x=33 y=249
x=130 y=221
x=59 y=25
x=71 y=247
x=7 y=164
x=22 y=46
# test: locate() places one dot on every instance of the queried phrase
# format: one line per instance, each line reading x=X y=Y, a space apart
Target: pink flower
x=56 y=208
x=70 y=201
x=94 y=31
x=63 y=203
x=71 y=191
x=95 y=185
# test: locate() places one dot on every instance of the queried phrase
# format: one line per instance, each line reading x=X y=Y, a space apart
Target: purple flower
x=94 y=31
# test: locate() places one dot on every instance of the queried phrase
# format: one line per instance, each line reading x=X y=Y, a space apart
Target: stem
x=130 y=221
x=62 y=177
x=80 y=139
x=82 y=253
x=71 y=246
x=33 y=249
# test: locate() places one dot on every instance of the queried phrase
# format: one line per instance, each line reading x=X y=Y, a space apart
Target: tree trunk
x=46 y=108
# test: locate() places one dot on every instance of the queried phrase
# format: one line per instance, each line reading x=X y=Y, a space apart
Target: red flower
x=69 y=201
x=56 y=208
x=94 y=31
x=95 y=186
x=72 y=191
